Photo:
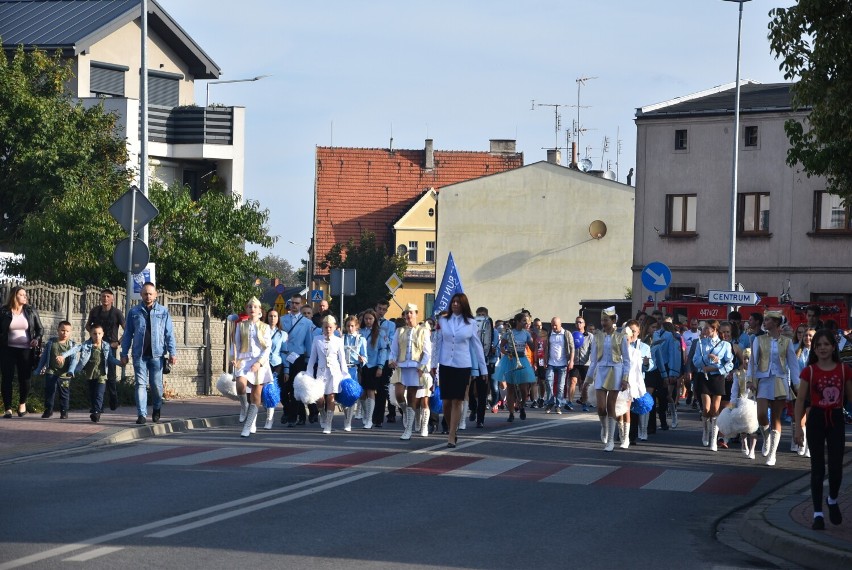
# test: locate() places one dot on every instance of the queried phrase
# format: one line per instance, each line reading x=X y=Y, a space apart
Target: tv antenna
x=557 y=118
x=581 y=81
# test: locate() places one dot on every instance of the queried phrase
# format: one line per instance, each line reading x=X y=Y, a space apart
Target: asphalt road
x=539 y=493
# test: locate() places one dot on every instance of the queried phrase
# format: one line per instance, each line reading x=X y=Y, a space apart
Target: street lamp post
x=207 y=97
x=732 y=258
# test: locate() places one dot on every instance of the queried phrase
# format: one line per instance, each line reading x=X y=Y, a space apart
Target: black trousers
x=112 y=383
x=382 y=397
x=826 y=434
x=478 y=399
x=634 y=428
x=293 y=409
x=12 y=359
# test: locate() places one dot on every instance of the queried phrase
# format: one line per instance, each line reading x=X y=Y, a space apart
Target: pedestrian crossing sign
x=316 y=295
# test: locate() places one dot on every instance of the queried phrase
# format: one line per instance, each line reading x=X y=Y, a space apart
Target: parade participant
x=714 y=359
x=827 y=382
x=539 y=391
x=456 y=338
x=276 y=360
x=668 y=359
x=251 y=349
x=559 y=359
x=20 y=333
x=150 y=333
x=640 y=361
x=514 y=369
x=328 y=355
x=373 y=370
x=411 y=359
x=742 y=390
x=773 y=364
x=479 y=387
x=91 y=365
x=689 y=335
x=389 y=328
x=355 y=349
x=297 y=347
x=728 y=332
x=803 y=352
x=110 y=319
x=582 y=346
x=609 y=367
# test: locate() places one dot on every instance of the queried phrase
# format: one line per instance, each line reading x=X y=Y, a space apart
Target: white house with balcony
x=788 y=227
x=102 y=38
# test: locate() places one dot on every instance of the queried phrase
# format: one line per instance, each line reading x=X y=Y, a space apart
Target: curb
x=168 y=427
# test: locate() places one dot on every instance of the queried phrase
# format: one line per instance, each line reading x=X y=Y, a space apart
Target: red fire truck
x=795 y=311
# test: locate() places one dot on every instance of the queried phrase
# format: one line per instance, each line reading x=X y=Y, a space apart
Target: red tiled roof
x=368 y=189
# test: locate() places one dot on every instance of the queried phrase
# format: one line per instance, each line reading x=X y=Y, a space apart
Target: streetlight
x=207 y=98
x=307 y=265
x=732 y=258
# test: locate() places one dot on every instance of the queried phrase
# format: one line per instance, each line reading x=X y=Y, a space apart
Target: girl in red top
x=824 y=382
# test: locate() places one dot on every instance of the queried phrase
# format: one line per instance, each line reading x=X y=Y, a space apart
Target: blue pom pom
x=435 y=402
x=271 y=394
x=349 y=392
x=642 y=405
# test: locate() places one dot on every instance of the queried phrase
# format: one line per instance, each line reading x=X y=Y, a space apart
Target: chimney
x=429 y=161
x=574 y=156
x=554 y=156
x=502 y=146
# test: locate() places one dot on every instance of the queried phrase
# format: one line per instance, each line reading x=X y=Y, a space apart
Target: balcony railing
x=191 y=125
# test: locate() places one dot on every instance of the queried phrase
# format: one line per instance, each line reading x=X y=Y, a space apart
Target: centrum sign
x=733 y=297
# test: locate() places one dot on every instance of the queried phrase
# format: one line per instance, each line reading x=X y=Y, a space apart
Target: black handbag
x=167 y=366
x=35 y=354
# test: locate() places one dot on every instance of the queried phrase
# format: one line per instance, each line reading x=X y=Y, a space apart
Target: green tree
x=374 y=266
x=199 y=245
x=50 y=146
x=812 y=40
x=279 y=267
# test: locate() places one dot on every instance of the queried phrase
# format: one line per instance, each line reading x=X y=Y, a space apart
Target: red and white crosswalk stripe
x=433 y=461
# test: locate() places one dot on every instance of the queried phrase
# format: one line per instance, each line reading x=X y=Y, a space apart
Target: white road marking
x=486 y=468
x=92 y=554
x=205 y=456
x=580 y=474
x=678 y=480
x=300 y=459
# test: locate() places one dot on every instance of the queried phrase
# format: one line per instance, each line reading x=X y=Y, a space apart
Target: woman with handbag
x=20 y=337
x=713 y=361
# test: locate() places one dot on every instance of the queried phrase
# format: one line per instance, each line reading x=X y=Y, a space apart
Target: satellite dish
x=585 y=165
x=597 y=229
x=609 y=175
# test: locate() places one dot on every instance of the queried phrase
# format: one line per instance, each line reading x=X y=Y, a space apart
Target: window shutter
x=106 y=80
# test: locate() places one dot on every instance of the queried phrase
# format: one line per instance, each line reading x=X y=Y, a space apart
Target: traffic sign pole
x=129 y=286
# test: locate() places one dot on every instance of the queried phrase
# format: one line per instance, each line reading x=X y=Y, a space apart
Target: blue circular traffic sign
x=656 y=276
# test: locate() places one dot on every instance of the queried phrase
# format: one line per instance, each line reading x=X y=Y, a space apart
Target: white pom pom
x=622 y=403
x=307 y=389
x=227 y=386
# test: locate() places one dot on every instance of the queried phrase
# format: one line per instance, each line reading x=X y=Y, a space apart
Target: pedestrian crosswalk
x=430 y=462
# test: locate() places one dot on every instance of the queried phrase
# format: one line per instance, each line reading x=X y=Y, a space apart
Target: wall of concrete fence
x=200 y=337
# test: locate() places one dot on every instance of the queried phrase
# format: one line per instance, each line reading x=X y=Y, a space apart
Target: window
x=106 y=79
x=680 y=139
x=164 y=88
x=428 y=303
x=680 y=214
x=750 y=138
x=430 y=252
x=401 y=250
x=754 y=213
x=830 y=214
x=412 y=251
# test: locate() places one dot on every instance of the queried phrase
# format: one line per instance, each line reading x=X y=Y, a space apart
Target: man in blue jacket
x=151 y=333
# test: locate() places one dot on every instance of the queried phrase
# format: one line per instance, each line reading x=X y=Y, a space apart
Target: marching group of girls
x=410 y=357
x=623 y=365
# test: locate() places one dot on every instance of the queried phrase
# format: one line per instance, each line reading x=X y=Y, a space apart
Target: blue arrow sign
x=656 y=276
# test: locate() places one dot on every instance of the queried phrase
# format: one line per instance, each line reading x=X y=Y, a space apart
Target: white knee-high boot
x=243 y=406
x=765 y=431
x=610 y=434
x=705 y=431
x=270 y=416
x=329 y=415
x=348 y=414
x=774 y=440
x=673 y=408
x=714 y=435
x=643 y=427
x=408 y=423
x=424 y=421
x=625 y=435
x=369 y=406
x=251 y=418
x=357 y=414
x=603 y=428
x=803 y=449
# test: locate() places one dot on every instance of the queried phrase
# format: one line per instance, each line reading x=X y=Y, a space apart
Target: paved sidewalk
x=779 y=524
x=32 y=436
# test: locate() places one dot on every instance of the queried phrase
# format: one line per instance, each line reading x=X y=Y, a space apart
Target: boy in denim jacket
x=91 y=365
x=56 y=369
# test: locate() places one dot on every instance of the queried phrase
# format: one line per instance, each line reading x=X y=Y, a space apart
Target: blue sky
x=460 y=72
